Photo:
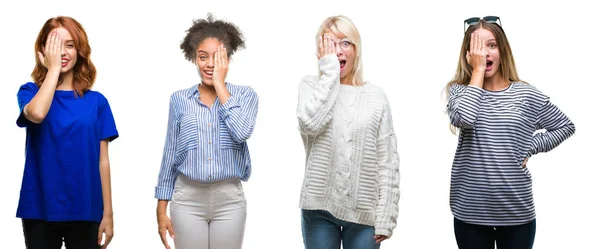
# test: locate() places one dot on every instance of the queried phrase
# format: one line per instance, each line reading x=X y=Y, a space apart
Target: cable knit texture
x=352 y=163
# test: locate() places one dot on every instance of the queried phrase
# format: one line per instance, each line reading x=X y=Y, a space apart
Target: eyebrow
x=202 y=51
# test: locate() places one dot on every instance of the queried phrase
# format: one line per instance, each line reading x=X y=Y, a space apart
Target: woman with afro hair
x=205 y=156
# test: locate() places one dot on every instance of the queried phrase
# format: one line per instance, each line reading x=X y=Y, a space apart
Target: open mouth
x=208 y=73
x=342 y=64
x=488 y=65
x=64 y=62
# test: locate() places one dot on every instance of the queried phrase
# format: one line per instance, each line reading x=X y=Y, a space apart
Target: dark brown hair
x=226 y=32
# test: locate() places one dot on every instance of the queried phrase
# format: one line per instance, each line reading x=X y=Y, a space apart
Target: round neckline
x=501 y=90
x=353 y=86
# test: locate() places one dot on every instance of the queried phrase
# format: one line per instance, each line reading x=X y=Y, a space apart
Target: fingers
x=468 y=56
x=524 y=163
x=482 y=46
x=224 y=55
x=217 y=59
x=171 y=231
x=325 y=45
x=331 y=47
x=320 y=52
x=472 y=42
x=100 y=233
x=107 y=241
x=379 y=238
x=163 y=238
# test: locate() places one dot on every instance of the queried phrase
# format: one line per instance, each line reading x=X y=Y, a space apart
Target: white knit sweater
x=352 y=165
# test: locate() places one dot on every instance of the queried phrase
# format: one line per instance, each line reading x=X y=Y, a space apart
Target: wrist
x=54 y=70
x=219 y=84
x=108 y=214
x=478 y=70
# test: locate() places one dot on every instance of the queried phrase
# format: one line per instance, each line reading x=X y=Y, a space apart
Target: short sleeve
x=25 y=94
x=107 y=121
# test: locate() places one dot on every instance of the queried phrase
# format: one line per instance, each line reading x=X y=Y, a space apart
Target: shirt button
x=208 y=125
x=209 y=142
x=210 y=159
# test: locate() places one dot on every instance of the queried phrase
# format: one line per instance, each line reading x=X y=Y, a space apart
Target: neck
x=204 y=88
x=66 y=81
x=495 y=83
x=346 y=80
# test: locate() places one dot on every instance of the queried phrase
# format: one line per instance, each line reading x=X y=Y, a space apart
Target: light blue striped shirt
x=207 y=144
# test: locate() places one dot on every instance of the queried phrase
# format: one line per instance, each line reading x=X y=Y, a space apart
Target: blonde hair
x=464 y=70
x=342 y=25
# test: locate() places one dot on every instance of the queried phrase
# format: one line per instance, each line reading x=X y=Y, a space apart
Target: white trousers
x=208 y=215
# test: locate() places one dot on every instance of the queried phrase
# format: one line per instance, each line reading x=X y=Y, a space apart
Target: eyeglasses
x=474 y=20
x=345 y=44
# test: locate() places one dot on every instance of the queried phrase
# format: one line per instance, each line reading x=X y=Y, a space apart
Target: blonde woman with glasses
x=351 y=190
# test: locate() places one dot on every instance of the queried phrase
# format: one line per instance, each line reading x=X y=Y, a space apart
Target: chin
x=65 y=69
x=207 y=82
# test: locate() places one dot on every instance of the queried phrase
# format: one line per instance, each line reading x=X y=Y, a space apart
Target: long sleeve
x=463 y=105
x=557 y=125
x=239 y=114
x=388 y=176
x=316 y=98
x=168 y=172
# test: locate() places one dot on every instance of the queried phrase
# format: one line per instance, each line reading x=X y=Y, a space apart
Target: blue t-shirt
x=61 y=180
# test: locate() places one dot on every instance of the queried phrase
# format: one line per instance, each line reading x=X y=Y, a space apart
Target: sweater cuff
x=383 y=231
x=329 y=62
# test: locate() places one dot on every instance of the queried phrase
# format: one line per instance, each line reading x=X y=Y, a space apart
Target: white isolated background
x=411 y=49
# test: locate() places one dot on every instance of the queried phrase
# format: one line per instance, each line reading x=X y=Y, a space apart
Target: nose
x=210 y=62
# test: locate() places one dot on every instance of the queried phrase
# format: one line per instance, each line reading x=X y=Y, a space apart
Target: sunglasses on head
x=474 y=20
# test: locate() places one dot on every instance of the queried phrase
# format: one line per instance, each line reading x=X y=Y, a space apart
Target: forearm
x=316 y=97
x=161 y=207
x=463 y=105
x=477 y=77
x=222 y=93
x=37 y=109
x=106 y=188
x=547 y=141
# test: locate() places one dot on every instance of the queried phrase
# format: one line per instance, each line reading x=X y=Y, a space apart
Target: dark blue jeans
x=321 y=230
x=469 y=236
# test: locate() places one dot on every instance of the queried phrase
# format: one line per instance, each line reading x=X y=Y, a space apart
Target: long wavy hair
x=84 y=71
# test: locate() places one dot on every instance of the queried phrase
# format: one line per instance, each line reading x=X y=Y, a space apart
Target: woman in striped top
x=499 y=117
x=206 y=155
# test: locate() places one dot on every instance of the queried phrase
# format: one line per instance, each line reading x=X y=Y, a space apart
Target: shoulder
x=29 y=86
x=376 y=91
x=457 y=88
x=95 y=97
x=183 y=93
x=529 y=90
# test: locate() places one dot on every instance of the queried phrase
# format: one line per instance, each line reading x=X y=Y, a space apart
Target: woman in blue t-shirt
x=65 y=193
